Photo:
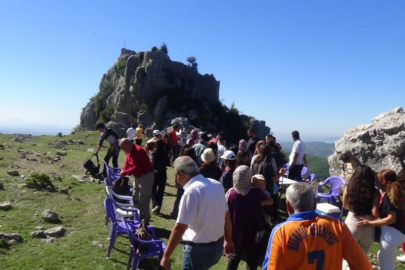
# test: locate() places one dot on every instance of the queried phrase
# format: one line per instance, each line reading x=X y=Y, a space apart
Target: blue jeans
x=201 y=257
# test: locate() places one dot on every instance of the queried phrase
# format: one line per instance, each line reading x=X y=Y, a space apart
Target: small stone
x=61 y=153
x=1 y=158
x=32 y=159
x=38 y=234
x=10 y=236
x=13 y=172
x=5 y=206
x=97 y=244
x=12 y=242
x=50 y=189
x=64 y=191
x=90 y=150
x=50 y=216
x=33 y=144
x=55 y=232
x=48 y=240
x=55 y=160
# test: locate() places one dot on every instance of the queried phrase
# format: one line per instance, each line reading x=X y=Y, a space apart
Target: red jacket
x=137 y=162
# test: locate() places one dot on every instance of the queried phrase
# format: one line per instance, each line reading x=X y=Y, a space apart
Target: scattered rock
x=13 y=173
x=2 y=147
x=50 y=189
x=23 y=156
x=61 y=153
x=55 y=232
x=12 y=242
x=38 y=234
x=5 y=206
x=48 y=240
x=50 y=216
x=33 y=144
x=1 y=158
x=90 y=150
x=97 y=244
x=64 y=191
x=55 y=159
x=40 y=228
x=32 y=159
x=11 y=236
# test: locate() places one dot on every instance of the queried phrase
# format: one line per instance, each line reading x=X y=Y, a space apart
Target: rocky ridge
x=380 y=144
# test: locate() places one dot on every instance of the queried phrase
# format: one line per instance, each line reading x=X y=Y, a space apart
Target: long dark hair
x=187 y=150
x=393 y=188
x=241 y=158
x=264 y=154
x=361 y=190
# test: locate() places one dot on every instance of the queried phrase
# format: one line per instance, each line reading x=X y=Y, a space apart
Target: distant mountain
x=318 y=149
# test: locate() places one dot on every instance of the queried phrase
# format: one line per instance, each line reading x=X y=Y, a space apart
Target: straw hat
x=208 y=155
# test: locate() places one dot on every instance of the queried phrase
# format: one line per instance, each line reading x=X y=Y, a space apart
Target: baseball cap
x=228 y=155
x=258 y=177
x=156 y=132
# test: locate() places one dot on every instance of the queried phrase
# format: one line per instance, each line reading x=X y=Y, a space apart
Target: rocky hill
x=380 y=145
x=149 y=88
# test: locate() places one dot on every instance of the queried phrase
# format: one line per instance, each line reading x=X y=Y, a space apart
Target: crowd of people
x=227 y=202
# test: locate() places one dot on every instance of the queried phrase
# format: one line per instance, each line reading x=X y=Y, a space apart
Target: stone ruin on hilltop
x=149 y=88
x=380 y=145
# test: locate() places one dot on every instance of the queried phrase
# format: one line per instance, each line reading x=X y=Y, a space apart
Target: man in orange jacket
x=308 y=241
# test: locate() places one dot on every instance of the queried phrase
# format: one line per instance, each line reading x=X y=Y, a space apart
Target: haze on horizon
x=318 y=67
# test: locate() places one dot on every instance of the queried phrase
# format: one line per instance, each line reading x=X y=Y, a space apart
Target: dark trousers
x=138 y=142
x=114 y=156
x=295 y=173
x=175 y=151
x=175 y=212
x=158 y=188
x=251 y=259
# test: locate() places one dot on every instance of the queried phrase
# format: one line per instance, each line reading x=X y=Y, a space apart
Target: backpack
x=91 y=167
x=121 y=187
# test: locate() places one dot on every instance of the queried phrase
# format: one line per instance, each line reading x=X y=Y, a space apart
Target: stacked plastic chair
x=335 y=183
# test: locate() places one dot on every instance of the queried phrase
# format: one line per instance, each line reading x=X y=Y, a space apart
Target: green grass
x=81 y=212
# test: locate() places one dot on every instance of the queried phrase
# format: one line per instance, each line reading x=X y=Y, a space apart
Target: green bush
x=105 y=115
x=154 y=49
x=163 y=48
x=39 y=180
x=121 y=65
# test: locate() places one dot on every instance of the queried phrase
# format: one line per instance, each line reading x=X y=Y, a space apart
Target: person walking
x=138 y=164
x=138 y=135
x=174 y=141
x=203 y=222
x=131 y=133
x=159 y=163
x=109 y=135
x=308 y=241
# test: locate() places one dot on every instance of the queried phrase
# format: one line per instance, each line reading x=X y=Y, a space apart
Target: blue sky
x=316 y=66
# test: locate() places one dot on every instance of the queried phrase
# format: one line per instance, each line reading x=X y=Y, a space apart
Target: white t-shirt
x=221 y=151
x=203 y=208
x=298 y=147
x=131 y=134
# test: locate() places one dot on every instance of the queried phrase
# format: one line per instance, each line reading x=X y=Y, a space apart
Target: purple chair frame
x=335 y=184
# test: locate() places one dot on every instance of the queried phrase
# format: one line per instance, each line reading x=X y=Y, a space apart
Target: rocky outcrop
x=380 y=145
x=149 y=88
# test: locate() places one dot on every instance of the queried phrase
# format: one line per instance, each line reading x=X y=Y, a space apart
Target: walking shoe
x=401 y=258
x=156 y=209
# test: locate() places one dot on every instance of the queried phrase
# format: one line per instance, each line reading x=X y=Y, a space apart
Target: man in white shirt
x=131 y=133
x=203 y=221
x=297 y=157
x=221 y=150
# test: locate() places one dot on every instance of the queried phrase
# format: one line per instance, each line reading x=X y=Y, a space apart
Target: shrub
x=39 y=180
x=105 y=115
x=154 y=49
x=163 y=48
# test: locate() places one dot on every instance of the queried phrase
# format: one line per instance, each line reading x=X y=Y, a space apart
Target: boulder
x=55 y=232
x=13 y=172
x=50 y=216
x=11 y=236
x=5 y=206
x=38 y=234
x=64 y=190
x=183 y=123
x=380 y=144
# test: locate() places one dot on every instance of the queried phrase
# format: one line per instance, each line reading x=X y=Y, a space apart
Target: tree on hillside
x=192 y=62
x=154 y=49
x=163 y=48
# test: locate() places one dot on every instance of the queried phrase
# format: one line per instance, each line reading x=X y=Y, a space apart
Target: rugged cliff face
x=148 y=88
x=380 y=145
